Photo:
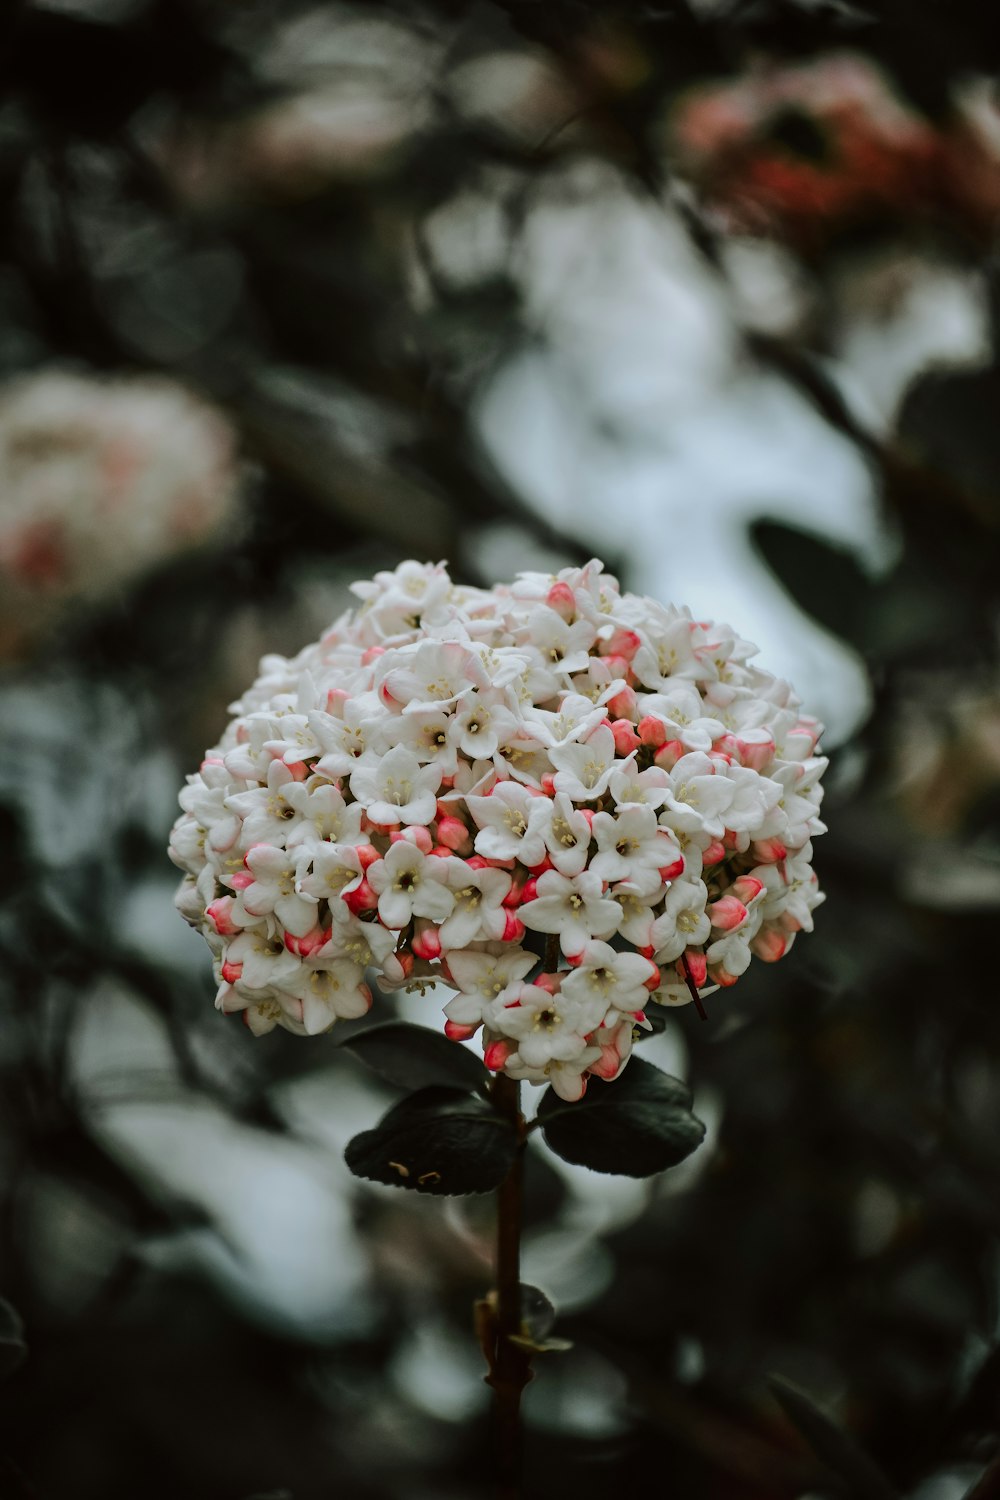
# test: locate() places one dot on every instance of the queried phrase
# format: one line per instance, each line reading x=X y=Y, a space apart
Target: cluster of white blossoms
x=561 y=801
x=99 y=480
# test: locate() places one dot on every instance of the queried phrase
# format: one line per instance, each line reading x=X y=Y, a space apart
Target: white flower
x=698 y=798
x=585 y=768
x=258 y=959
x=397 y=788
x=650 y=788
x=567 y=836
x=329 y=991
x=410 y=884
x=606 y=980
x=511 y=823
x=430 y=674
x=276 y=873
x=480 y=725
x=486 y=979
x=478 y=912
x=574 y=908
x=681 y=711
x=324 y=816
x=549 y=1027
x=632 y=846
x=349 y=739
x=683 y=921
x=567 y=1078
x=266 y=813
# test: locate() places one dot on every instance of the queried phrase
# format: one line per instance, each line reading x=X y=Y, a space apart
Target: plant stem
x=510 y=1365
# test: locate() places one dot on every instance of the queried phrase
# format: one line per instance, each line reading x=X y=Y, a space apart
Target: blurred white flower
x=99 y=481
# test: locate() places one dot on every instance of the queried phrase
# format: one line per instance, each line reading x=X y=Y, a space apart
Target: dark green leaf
x=839 y=1452
x=825 y=581
x=12 y=1345
x=638 y=1125
x=414 y=1057
x=439 y=1141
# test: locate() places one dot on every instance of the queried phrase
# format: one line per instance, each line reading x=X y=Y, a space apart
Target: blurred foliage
x=247 y=199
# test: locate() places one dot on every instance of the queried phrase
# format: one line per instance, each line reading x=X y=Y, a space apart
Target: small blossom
x=410 y=884
x=574 y=908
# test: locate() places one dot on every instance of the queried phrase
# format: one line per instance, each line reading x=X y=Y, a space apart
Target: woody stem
x=510 y=1365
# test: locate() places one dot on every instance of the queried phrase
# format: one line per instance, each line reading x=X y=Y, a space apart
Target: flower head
x=454 y=782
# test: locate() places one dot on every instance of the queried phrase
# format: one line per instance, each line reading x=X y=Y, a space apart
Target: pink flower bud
x=359 y=898
x=240 y=880
x=530 y=889
x=723 y=978
x=626 y=739
x=624 y=643
x=697 y=968
x=727 y=913
x=549 y=784
x=416 y=835
x=624 y=705
x=496 y=1055
x=653 y=982
x=453 y=832
x=426 y=940
x=303 y=946
x=551 y=983
x=714 y=854
x=756 y=754
x=231 y=972
x=513 y=930
x=398 y=966
x=672 y=871
x=458 y=1033
x=652 y=731
x=367 y=855
x=770 y=944
x=561 y=598
x=372 y=654
x=746 y=888
x=219 y=913
x=768 y=851
x=669 y=753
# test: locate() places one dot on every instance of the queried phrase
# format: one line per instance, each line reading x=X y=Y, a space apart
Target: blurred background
x=290 y=291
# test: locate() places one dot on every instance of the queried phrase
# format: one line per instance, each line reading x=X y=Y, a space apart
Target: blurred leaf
x=638 y=1125
x=439 y=1140
x=415 y=1057
x=825 y=581
x=13 y=1348
x=948 y=422
x=865 y=1480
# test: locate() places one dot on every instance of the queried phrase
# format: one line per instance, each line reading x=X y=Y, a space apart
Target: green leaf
x=439 y=1140
x=826 y=581
x=13 y=1348
x=638 y=1125
x=414 y=1057
x=839 y=1452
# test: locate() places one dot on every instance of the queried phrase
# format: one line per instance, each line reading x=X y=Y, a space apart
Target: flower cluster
x=802 y=150
x=100 y=479
x=562 y=801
